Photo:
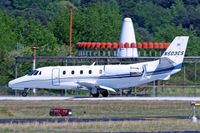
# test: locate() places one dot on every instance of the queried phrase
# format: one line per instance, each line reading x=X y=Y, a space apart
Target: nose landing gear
x=25 y=92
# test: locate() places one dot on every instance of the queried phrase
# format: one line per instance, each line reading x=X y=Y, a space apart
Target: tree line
x=46 y=24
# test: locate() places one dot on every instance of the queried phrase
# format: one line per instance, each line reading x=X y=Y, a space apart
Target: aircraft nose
x=16 y=83
x=11 y=83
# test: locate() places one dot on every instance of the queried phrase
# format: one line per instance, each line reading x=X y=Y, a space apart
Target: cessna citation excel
x=100 y=79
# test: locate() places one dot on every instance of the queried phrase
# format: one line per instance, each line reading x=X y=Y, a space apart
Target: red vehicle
x=60 y=112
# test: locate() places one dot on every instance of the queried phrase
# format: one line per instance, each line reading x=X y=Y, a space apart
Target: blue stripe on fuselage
x=156 y=72
x=165 y=70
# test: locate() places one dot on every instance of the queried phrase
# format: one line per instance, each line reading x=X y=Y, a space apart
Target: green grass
x=126 y=126
x=99 y=109
x=84 y=109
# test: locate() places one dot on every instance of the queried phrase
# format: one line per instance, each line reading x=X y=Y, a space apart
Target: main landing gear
x=104 y=93
x=96 y=94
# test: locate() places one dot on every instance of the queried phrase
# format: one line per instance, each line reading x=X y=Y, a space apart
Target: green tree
x=99 y=21
x=150 y=16
x=59 y=26
x=168 y=32
x=94 y=22
x=164 y=3
x=8 y=37
x=30 y=32
x=16 y=38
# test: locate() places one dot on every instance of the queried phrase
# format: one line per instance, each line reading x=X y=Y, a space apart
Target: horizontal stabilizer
x=167 y=78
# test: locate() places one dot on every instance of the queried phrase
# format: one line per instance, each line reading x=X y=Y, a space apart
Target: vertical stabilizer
x=176 y=50
x=127 y=36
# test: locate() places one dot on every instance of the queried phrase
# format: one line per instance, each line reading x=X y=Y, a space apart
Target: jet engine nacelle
x=136 y=71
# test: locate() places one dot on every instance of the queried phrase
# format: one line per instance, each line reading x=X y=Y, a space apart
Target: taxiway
x=64 y=119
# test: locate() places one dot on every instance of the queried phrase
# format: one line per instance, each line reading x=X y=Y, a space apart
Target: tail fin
x=176 y=50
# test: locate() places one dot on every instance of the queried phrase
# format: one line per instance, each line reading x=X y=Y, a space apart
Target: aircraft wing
x=90 y=86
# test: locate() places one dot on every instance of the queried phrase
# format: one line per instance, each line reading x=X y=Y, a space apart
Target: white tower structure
x=127 y=36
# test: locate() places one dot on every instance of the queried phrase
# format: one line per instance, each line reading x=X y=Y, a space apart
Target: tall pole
x=70 y=33
x=70 y=6
x=16 y=73
x=34 y=63
x=34 y=57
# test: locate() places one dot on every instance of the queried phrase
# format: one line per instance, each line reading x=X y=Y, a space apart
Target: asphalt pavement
x=112 y=119
x=47 y=98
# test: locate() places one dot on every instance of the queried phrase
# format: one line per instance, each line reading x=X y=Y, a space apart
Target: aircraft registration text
x=172 y=53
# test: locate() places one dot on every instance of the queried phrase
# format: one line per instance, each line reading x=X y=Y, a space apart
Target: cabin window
x=64 y=72
x=72 y=72
x=81 y=71
x=90 y=72
x=40 y=72
x=100 y=71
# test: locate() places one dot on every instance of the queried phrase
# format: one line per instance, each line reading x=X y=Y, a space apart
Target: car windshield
x=33 y=72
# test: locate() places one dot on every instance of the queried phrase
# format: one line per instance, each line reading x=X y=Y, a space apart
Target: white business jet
x=100 y=79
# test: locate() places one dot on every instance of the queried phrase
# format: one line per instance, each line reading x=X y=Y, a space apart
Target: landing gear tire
x=104 y=93
x=24 y=93
x=96 y=95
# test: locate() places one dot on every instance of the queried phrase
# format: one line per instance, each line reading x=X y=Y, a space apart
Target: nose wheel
x=25 y=92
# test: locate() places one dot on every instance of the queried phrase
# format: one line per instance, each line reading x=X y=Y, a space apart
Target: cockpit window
x=34 y=72
x=31 y=72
